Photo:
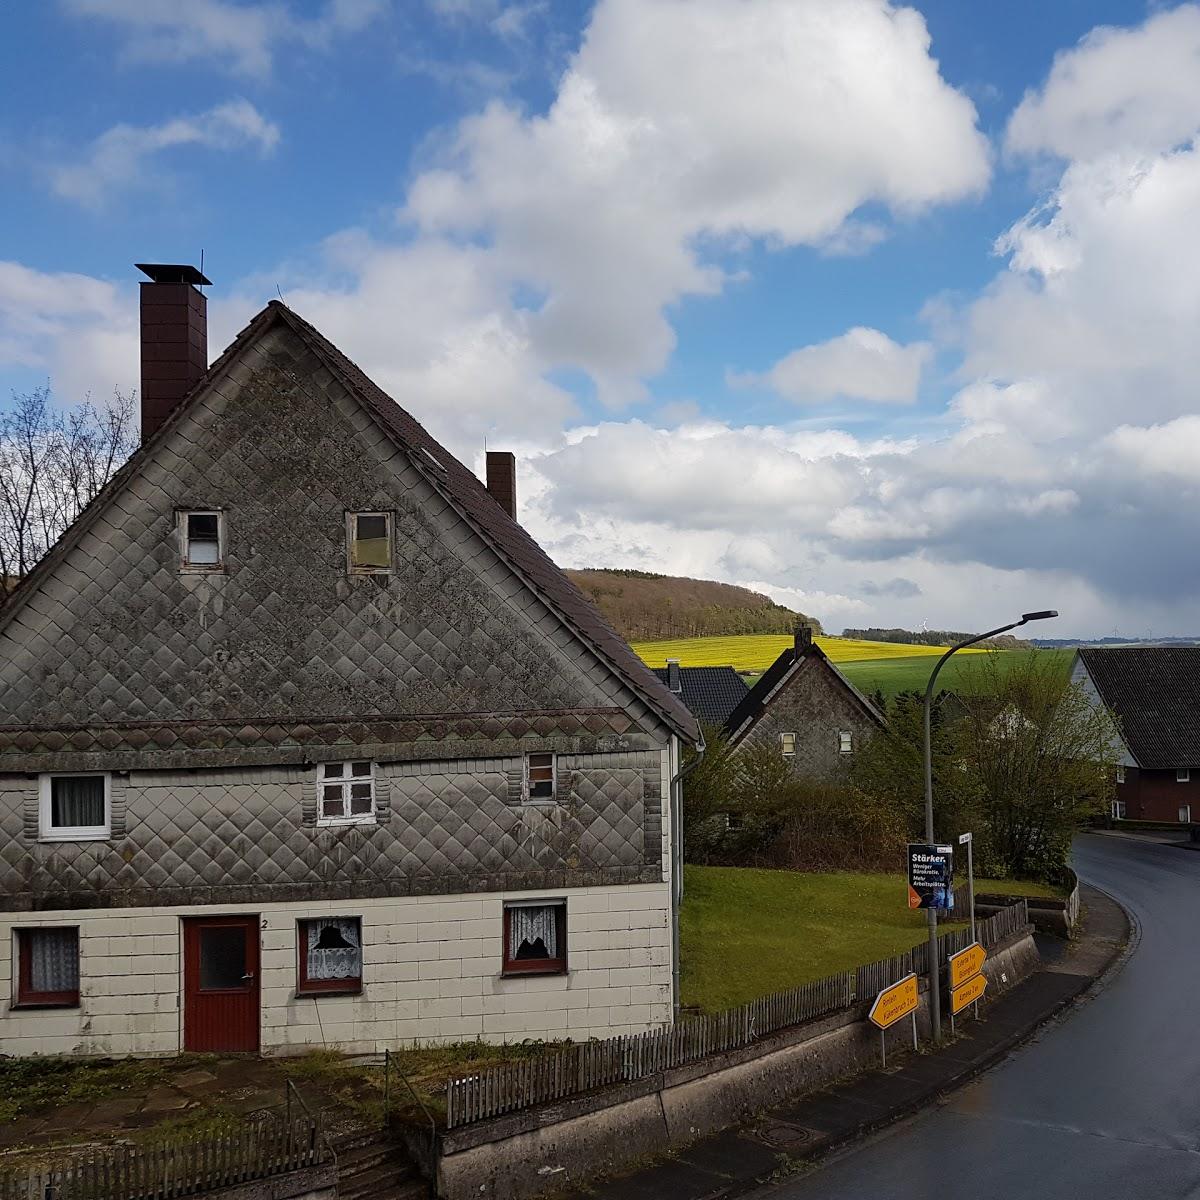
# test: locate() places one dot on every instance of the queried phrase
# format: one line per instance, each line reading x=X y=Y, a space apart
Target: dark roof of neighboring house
x=755 y=700
x=457 y=483
x=712 y=693
x=1154 y=692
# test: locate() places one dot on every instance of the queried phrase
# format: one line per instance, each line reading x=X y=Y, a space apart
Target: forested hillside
x=934 y=637
x=643 y=606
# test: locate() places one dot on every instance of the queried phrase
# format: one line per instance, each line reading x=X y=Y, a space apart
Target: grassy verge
x=746 y=933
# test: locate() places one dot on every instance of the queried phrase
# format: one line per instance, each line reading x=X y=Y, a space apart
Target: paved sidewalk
x=781 y=1141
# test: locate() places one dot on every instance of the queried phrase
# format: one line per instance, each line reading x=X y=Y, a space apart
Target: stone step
x=378 y=1181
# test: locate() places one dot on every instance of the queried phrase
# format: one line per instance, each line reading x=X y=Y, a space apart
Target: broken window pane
x=203 y=539
x=539 y=773
x=371 y=545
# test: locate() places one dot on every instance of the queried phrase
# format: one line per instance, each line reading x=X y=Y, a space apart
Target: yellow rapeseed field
x=757 y=651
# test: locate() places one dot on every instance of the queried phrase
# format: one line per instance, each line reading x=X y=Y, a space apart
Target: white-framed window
x=74 y=808
x=1183 y=775
x=845 y=741
x=1120 y=772
x=1118 y=810
x=1185 y=814
x=346 y=793
x=369 y=542
x=540 y=772
x=787 y=744
x=202 y=533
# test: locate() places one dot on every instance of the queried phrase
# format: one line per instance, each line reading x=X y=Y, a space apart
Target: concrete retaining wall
x=523 y=1155
x=1049 y=914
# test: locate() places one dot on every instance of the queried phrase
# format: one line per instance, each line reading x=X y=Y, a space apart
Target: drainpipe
x=676 y=801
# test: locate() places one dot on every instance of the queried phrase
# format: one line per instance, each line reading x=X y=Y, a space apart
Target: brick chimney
x=174 y=338
x=502 y=480
x=803 y=636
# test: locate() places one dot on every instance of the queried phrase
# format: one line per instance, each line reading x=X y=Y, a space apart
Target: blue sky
x=822 y=296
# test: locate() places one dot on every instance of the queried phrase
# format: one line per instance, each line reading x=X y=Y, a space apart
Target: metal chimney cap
x=172 y=273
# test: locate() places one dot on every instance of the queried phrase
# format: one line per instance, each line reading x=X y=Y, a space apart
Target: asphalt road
x=1104 y=1103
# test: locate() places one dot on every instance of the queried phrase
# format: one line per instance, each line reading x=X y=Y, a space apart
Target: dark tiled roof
x=1154 y=692
x=461 y=487
x=712 y=693
x=753 y=703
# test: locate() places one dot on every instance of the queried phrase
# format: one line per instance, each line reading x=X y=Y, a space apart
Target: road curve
x=1105 y=1103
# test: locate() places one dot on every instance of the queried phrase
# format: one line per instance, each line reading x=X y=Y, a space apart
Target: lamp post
x=935 y=999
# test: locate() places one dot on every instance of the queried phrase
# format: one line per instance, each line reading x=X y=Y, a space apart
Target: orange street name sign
x=895 y=1002
x=966 y=964
x=970 y=991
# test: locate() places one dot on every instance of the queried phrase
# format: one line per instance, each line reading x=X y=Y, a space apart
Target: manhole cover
x=785 y=1135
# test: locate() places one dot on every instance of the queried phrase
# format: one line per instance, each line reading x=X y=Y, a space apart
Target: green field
x=894 y=675
x=745 y=933
x=757 y=651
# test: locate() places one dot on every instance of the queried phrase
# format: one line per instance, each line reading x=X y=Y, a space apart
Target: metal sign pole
x=914 y=1019
x=883 y=1047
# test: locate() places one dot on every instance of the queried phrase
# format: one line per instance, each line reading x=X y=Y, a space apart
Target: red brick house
x=1153 y=695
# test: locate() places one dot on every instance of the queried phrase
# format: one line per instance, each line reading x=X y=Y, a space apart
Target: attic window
x=370 y=537
x=845 y=741
x=202 y=549
x=1183 y=775
x=787 y=744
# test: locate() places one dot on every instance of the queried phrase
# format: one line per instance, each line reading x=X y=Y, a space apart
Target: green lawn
x=894 y=675
x=746 y=933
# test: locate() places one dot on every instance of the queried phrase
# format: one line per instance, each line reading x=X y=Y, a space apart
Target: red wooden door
x=220 y=983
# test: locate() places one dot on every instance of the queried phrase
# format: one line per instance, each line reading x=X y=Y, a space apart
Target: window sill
x=311 y=993
x=522 y=973
x=208 y=570
x=74 y=835
x=343 y=822
x=33 y=1005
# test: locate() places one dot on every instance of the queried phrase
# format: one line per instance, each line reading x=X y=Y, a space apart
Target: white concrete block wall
x=431 y=973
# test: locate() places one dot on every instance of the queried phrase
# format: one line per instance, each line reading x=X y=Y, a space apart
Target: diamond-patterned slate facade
x=212 y=696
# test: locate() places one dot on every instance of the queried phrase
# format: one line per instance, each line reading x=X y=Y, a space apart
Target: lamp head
x=1039 y=616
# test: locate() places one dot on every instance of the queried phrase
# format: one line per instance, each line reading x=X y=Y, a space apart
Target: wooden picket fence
x=256 y=1150
x=581 y=1067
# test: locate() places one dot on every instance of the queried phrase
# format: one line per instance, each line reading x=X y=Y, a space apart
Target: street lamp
x=935 y=999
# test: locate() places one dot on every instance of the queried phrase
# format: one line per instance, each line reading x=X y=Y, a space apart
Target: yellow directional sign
x=966 y=964
x=970 y=991
x=895 y=1002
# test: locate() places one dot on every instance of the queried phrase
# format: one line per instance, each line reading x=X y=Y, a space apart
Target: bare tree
x=52 y=464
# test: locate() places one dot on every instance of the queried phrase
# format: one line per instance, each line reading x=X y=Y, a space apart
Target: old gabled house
x=806 y=708
x=304 y=741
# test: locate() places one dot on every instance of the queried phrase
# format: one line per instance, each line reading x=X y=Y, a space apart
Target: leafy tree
x=1042 y=757
x=52 y=464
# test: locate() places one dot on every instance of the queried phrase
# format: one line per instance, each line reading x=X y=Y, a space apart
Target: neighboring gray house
x=304 y=741
x=806 y=707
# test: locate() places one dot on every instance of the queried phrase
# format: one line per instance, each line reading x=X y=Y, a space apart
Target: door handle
x=249 y=976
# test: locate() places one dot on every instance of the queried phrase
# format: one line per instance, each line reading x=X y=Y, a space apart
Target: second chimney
x=502 y=480
x=674 y=679
x=803 y=637
x=174 y=339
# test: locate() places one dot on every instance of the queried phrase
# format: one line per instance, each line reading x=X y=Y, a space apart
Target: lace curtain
x=529 y=923
x=334 y=951
x=54 y=960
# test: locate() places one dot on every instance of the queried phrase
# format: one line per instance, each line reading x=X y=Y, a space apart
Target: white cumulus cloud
x=118 y=159
x=861 y=364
